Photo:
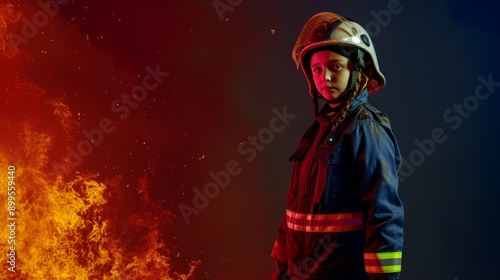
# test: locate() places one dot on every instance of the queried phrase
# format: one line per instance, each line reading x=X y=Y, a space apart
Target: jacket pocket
x=329 y=154
x=336 y=168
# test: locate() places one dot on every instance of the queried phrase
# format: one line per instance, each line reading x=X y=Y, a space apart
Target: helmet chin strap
x=339 y=99
x=359 y=63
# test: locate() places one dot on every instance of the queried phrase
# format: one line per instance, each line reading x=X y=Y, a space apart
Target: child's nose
x=328 y=75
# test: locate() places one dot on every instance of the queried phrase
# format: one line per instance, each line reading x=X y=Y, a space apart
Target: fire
x=7 y=17
x=71 y=227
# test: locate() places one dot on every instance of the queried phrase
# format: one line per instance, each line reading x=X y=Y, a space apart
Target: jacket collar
x=361 y=98
x=326 y=114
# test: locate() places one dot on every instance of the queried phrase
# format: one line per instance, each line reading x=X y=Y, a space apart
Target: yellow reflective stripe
x=324 y=222
x=384 y=255
x=386 y=262
x=383 y=269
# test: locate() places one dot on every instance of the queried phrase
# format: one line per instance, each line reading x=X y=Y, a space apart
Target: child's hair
x=360 y=85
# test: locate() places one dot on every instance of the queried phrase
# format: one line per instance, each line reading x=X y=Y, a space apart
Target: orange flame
x=64 y=230
x=71 y=227
x=7 y=18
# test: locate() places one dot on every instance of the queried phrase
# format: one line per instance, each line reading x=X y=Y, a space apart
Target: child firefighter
x=344 y=217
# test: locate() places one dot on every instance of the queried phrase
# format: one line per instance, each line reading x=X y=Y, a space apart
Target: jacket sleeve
x=279 y=251
x=376 y=160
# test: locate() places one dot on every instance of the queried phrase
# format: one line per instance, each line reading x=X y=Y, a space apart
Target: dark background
x=226 y=77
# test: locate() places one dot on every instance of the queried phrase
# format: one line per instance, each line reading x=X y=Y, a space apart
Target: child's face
x=331 y=72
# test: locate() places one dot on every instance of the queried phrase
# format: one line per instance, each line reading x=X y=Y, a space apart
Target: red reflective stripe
x=373 y=269
x=324 y=222
x=385 y=262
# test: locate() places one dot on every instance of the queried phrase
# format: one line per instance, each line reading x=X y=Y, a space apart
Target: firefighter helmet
x=328 y=30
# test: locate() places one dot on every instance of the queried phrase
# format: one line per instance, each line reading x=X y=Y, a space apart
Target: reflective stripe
x=324 y=222
x=386 y=262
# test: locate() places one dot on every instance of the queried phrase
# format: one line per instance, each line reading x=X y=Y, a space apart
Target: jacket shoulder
x=366 y=112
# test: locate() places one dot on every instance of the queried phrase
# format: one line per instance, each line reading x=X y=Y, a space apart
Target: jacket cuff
x=386 y=262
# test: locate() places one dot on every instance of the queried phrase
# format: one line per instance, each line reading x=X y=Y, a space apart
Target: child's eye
x=335 y=67
x=317 y=70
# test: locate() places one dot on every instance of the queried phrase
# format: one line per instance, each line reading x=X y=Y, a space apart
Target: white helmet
x=329 y=30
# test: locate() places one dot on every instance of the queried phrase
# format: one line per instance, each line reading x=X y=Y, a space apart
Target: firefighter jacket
x=344 y=217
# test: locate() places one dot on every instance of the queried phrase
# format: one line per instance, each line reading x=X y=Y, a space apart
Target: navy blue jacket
x=344 y=218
